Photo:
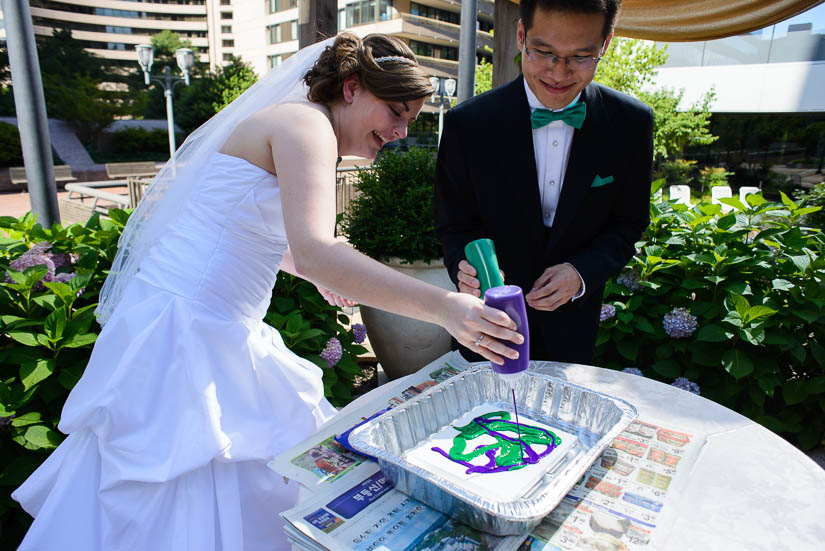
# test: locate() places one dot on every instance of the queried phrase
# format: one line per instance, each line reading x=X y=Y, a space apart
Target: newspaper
x=625 y=502
x=620 y=504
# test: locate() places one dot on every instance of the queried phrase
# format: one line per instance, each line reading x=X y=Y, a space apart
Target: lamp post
x=443 y=89
x=186 y=59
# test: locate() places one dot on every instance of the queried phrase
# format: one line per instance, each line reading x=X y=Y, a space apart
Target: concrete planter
x=404 y=345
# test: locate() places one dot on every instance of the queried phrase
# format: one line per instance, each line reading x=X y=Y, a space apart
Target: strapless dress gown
x=188 y=393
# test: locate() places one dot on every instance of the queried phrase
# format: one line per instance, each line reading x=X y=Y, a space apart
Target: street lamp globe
x=449 y=87
x=186 y=59
x=146 y=55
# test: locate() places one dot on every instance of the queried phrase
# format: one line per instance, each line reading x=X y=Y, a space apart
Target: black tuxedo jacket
x=487 y=186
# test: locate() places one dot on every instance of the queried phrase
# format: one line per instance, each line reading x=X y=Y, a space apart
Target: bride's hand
x=467 y=318
x=334 y=299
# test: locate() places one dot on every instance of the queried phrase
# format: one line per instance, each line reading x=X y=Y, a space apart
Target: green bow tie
x=572 y=115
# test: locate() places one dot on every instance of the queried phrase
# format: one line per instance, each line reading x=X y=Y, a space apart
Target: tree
x=232 y=80
x=166 y=43
x=629 y=66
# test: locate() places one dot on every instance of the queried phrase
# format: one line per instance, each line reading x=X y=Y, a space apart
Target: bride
x=188 y=393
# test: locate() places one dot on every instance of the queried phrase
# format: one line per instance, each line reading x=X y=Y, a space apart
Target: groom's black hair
x=609 y=8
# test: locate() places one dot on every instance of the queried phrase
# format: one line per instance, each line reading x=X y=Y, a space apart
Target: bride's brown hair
x=389 y=79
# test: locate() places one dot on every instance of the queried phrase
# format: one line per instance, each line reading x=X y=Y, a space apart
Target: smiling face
x=563 y=34
x=368 y=122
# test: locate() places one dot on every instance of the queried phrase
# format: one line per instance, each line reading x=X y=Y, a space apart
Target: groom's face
x=556 y=82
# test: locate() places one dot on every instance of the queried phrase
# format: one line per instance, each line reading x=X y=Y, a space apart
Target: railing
x=345 y=191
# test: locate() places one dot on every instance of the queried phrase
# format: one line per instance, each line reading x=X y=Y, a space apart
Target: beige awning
x=688 y=20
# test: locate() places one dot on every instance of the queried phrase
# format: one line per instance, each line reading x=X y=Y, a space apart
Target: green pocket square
x=598 y=181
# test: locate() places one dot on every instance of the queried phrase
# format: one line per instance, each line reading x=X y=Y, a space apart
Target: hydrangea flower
x=359 y=332
x=633 y=371
x=5 y=421
x=686 y=385
x=679 y=323
x=608 y=311
x=332 y=352
x=630 y=279
x=40 y=255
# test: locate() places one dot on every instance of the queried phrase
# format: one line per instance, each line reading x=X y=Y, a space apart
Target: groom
x=555 y=170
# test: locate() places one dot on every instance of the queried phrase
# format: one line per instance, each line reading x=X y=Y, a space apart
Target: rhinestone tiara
x=402 y=59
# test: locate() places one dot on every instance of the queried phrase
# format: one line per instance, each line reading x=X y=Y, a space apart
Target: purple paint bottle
x=510 y=299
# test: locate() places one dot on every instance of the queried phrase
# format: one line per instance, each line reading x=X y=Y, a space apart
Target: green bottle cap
x=481 y=254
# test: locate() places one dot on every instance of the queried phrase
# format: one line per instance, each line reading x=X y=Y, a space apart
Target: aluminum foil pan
x=594 y=418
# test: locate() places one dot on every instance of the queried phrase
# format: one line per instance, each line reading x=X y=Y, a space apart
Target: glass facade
x=434 y=50
x=364 y=11
x=282 y=32
x=800 y=38
x=435 y=13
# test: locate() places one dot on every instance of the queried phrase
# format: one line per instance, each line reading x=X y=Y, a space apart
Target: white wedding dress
x=187 y=394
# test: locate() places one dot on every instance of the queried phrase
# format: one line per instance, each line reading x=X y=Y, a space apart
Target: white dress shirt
x=551 y=144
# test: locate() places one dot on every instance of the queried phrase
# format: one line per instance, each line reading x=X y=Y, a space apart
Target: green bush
x=11 y=151
x=392 y=215
x=136 y=139
x=814 y=198
x=752 y=325
x=47 y=330
x=712 y=176
x=678 y=172
x=46 y=334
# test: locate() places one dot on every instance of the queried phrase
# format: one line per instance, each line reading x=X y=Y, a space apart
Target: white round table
x=749 y=489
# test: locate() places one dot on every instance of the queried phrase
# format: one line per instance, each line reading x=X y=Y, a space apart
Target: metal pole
x=30 y=106
x=440 y=117
x=467 y=50
x=168 y=91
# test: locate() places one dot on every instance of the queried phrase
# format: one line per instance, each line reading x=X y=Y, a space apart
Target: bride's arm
x=304 y=150
x=288 y=265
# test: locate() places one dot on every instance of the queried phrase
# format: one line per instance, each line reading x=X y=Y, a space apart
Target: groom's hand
x=467 y=280
x=556 y=286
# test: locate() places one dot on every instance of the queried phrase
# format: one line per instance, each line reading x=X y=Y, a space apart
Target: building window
x=294 y=30
x=227 y=57
x=434 y=50
x=279 y=5
x=226 y=2
x=228 y=43
x=273 y=61
x=226 y=15
x=226 y=29
x=273 y=33
x=435 y=13
x=365 y=11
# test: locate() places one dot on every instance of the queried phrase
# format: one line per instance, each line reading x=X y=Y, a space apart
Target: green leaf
x=26 y=419
x=818 y=352
x=27 y=338
x=782 y=285
x=737 y=363
x=756 y=312
x=787 y=201
x=733 y=202
x=32 y=373
x=802 y=262
x=55 y=323
x=806 y=315
x=667 y=368
x=726 y=222
x=712 y=333
x=795 y=391
x=628 y=348
x=77 y=341
x=42 y=437
x=643 y=325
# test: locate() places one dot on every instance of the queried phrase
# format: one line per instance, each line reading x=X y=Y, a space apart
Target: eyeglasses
x=575 y=62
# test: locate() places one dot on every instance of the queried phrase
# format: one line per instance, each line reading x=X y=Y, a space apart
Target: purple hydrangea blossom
x=679 y=323
x=633 y=371
x=686 y=385
x=359 y=332
x=332 y=352
x=5 y=421
x=40 y=255
x=630 y=279
x=608 y=311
